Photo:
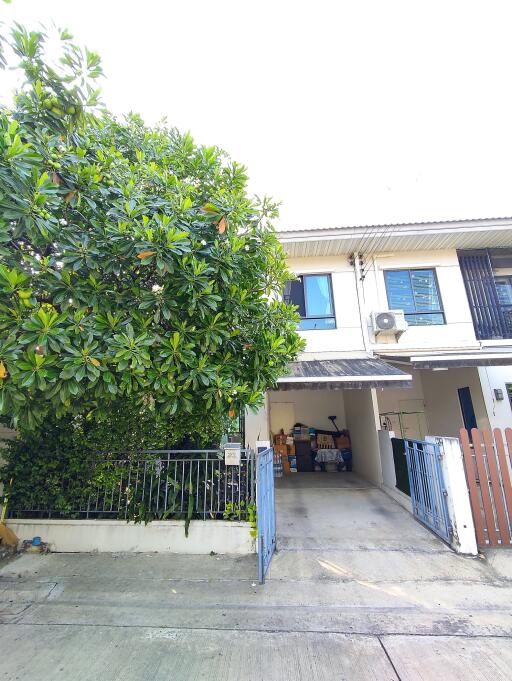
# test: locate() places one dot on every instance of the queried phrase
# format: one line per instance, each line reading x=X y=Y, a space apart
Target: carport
x=345 y=387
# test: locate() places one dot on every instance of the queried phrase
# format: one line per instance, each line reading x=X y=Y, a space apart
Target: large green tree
x=133 y=264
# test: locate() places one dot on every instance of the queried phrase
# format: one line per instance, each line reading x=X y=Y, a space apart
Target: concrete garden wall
x=77 y=536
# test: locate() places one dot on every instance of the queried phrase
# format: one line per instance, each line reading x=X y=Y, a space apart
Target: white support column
x=257 y=426
x=459 y=506
x=386 y=458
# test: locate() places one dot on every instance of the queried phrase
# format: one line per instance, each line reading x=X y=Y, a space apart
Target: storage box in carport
x=281 y=449
x=346 y=454
x=301 y=433
x=342 y=442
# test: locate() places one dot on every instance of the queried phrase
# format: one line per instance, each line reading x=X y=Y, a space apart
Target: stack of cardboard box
x=301 y=433
x=342 y=441
x=285 y=450
x=284 y=447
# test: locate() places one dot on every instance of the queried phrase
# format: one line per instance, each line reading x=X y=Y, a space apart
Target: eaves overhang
x=465 y=234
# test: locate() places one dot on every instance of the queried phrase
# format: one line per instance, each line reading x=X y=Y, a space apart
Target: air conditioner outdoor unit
x=390 y=322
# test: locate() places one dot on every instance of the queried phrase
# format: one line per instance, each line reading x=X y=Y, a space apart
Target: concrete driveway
x=341 y=511
x=357 y=591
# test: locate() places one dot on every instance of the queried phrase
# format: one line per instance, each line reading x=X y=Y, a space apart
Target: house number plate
x=232 y=454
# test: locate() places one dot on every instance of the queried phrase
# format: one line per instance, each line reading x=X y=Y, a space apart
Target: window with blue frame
x=312 y=294
x=417 y=294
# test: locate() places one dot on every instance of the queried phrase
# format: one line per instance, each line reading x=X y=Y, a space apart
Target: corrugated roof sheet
x=453 y=360
x=496 y=233
x=400 y=224
x=369 y=372
x=369 y=366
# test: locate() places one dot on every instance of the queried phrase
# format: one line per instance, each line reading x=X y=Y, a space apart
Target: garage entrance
x=323 y=425
x=325 y=432
x=324 y=417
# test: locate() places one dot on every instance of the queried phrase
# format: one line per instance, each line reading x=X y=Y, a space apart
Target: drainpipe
x=360 y=301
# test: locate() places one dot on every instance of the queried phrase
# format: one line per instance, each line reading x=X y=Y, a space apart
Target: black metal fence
x=489 y=317
x=151 y=485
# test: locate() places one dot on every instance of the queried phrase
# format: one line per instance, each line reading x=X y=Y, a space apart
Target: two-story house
x=407 y=327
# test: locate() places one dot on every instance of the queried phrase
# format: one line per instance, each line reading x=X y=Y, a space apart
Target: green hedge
x=54 y=466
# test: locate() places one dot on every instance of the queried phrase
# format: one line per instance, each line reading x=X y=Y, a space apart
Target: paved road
x=358 y=591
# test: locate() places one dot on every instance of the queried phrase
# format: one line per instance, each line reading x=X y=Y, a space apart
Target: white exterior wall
x=435 y=392
x=458 y=330
x=405 y=400
x=442 y=404
x=347 y=336
x=386 y=459
x=362 y=421
x=456 y=333
x=312 y=407
x=499 y=411
x=257 y=425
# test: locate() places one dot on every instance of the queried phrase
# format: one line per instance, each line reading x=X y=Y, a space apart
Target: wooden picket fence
x=488 y=464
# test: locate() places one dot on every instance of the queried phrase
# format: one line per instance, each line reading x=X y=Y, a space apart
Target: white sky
x=349 y=112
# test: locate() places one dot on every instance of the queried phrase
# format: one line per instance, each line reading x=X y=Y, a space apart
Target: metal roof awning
x=456 y=360
x=487 y=358
x=338 y=374
x=486 y=233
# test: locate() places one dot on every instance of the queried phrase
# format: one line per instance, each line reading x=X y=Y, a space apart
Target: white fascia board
x=499 y=343
x=344 y=379
x=447 y=358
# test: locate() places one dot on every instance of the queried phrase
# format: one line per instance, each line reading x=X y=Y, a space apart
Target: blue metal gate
x=428 y=493
x=266 y=510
